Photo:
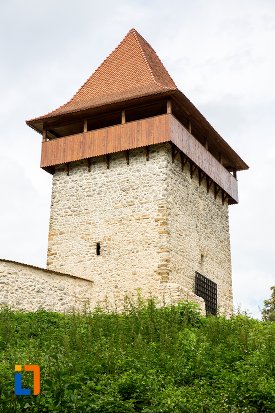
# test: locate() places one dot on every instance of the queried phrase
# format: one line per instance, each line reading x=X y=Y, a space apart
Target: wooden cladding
x=136 y=134
x=104 y=141
x=203 y=159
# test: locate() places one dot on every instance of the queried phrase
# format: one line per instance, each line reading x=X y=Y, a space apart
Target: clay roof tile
x=132 y=70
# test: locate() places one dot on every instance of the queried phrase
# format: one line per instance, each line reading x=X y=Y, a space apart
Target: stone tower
x=141 y=185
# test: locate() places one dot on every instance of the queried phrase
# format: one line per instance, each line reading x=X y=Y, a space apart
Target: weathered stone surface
x=156 y=226
x=24 y=287
x=28 y=288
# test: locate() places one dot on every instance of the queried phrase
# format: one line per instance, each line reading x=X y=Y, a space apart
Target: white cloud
x=251 y=288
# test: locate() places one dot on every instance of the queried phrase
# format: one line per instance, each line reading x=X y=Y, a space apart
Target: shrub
x=147 y=359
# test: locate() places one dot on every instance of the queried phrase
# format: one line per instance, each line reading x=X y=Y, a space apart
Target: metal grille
x=207 y=289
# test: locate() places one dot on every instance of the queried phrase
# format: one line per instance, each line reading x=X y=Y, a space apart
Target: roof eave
x=240 y=164
x=37 y=123
x=192 y=111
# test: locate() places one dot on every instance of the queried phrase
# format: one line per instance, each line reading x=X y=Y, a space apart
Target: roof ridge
x=95 y=71
x=133 y=63
x=137 y=35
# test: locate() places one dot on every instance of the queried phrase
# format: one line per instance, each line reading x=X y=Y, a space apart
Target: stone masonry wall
x=122 y=208
x=28 y=288
x=199 y=234
x=156 y=226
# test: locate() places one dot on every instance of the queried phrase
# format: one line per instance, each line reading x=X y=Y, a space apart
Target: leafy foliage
x=148 y=359
x=268 y=312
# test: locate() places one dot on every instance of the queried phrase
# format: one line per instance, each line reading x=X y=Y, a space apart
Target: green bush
x=148 y=359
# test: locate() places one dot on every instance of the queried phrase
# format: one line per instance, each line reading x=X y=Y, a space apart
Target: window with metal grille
x=207 y=289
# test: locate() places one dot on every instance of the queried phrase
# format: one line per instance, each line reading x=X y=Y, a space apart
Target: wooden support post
x=209 y=182
x=224 y=197
x=85 y=128
x=147 y=153
x=201 y=176
x=235 y=173
x=67 y=168
x=192 y=169
x=108 y=161
x=206 y=144
x=127 y=156
x=123 y=117
x=169 y=106
x=44 y=139
x=189 y=126
x=175 y=151
x=89 y=164
x=183 y=160
x=216 y=190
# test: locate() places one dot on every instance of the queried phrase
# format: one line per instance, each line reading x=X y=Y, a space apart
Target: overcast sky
x=220 y=54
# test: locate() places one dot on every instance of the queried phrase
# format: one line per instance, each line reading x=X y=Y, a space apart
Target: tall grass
x=148 y=359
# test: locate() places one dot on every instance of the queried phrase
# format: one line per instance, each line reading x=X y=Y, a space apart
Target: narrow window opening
x=98 y=248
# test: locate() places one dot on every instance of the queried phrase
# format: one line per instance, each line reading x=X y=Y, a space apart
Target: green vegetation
x=268 y=311
x=168 y=360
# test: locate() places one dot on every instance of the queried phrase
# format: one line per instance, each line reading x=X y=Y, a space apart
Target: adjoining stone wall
x=156 y=227
x=24 y=287
x=28 y=288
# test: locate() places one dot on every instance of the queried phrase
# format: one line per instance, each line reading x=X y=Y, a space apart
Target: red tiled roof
x=132 y=70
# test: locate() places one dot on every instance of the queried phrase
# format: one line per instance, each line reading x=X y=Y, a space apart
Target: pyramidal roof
x=132 y=70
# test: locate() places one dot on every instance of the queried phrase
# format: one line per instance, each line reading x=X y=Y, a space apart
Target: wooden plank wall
x=144 y=132
x=202 y=158
x=103 y=141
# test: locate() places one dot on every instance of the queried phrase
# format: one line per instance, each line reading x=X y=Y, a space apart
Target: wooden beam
x=175 y=151
x=206 y=144
x=123 y=117
x=67 y=168
x=193 y=168
x=201 y=176
x=209 y=183
x=169 y=106
x=183 y=160
x=108 y=161
x=54 y=134
x=147 y=149
x=127 y=156
x=44 y=135
x=85 y=127
x=235 y=173
x=89 y=160
x=216 y=190
x=224 y=197
x=189 y=126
